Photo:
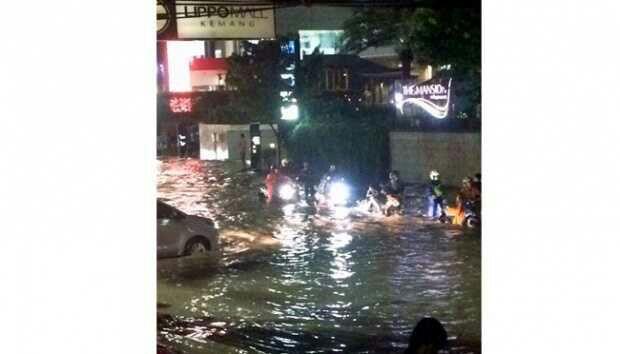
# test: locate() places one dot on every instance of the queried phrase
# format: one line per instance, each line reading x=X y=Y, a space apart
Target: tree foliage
x=434 y=35
x=328 y=131
x=332 y=131
x=255 y=77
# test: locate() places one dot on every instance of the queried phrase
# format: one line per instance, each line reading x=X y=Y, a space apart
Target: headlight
x=287 y=192
x=339 y=193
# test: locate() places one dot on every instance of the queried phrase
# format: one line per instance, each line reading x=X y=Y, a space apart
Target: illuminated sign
x=199 y=20
x=433 y=96
x=180 y=104
x=164 y=17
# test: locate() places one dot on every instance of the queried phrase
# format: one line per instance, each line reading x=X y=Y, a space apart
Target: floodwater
x=291 y=281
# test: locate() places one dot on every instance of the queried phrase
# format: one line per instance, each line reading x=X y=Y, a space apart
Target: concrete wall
x=454 y=155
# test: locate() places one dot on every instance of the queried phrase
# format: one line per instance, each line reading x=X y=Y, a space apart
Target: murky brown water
x=322 y=285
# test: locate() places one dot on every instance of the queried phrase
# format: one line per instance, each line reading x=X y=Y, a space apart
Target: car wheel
x=197 y=246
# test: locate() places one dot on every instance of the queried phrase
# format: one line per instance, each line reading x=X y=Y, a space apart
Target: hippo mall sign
x=186 y=19
x=432 y=96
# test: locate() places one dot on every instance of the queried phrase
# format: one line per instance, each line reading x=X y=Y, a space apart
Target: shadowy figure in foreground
x=428 y=337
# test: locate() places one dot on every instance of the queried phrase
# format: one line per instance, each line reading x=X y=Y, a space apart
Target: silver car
x=179 y=234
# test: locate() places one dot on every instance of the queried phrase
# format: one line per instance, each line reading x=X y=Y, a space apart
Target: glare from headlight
x=339 y=193
x=287 y=192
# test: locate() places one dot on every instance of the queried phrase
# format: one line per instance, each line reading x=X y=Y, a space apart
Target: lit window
x=328 y=42
x=336 y=80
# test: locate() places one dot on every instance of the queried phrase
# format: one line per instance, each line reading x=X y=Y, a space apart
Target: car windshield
x=165 y=211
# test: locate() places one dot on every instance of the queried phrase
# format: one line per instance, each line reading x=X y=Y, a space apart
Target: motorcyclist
x=468 y=192
x=470 y=196
x=435 y=197
x=305 y=179
x=394 y=192
x=327 y=178
x=285 y=168
x=271 y=182
x=374 y=200
x=477 y=182
x=457 y=212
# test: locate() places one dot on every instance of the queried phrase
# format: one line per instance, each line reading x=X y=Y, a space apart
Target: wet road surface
x=292 y=281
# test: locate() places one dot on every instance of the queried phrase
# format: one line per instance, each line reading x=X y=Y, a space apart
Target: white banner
x=224 y=21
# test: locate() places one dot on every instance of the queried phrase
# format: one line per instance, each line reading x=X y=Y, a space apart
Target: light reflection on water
x=333 y=285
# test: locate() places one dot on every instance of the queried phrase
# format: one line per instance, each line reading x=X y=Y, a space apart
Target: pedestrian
x=428 y=337
x=243 y=147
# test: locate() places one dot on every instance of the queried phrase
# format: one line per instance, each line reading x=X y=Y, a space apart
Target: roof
x=290 y=20
x=202 y=63
x=356 y=63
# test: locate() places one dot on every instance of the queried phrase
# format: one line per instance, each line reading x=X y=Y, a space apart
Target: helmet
x=434 y=174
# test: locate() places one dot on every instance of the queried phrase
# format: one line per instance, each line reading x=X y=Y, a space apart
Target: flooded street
x=291 y=281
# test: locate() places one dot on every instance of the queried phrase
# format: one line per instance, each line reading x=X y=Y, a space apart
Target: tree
x=437 y=33
x=255 y=76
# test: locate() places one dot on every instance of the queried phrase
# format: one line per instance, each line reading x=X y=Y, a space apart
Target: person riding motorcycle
x=457 y=212
x=305 y=179
x=285 y=168
x=393 y=191
x=271 y=182
x=435 y=197
x=325 y=194
x=470 y=196
x=374 y=200
x=327 y=179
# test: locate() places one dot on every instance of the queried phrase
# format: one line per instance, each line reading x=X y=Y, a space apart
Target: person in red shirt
x=271 y=181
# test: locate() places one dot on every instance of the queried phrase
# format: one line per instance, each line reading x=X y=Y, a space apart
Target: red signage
x=180 y=104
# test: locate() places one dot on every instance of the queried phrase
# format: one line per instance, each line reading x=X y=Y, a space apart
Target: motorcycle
x=332 y=194
x=381 y=202
x=472 y=215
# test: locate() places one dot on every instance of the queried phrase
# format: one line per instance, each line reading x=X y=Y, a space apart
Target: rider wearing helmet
x=327 y=178
x=305 y=178
x=435 y=196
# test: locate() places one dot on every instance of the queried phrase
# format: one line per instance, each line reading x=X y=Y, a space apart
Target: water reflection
x=334 y=284
x=340 y=263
